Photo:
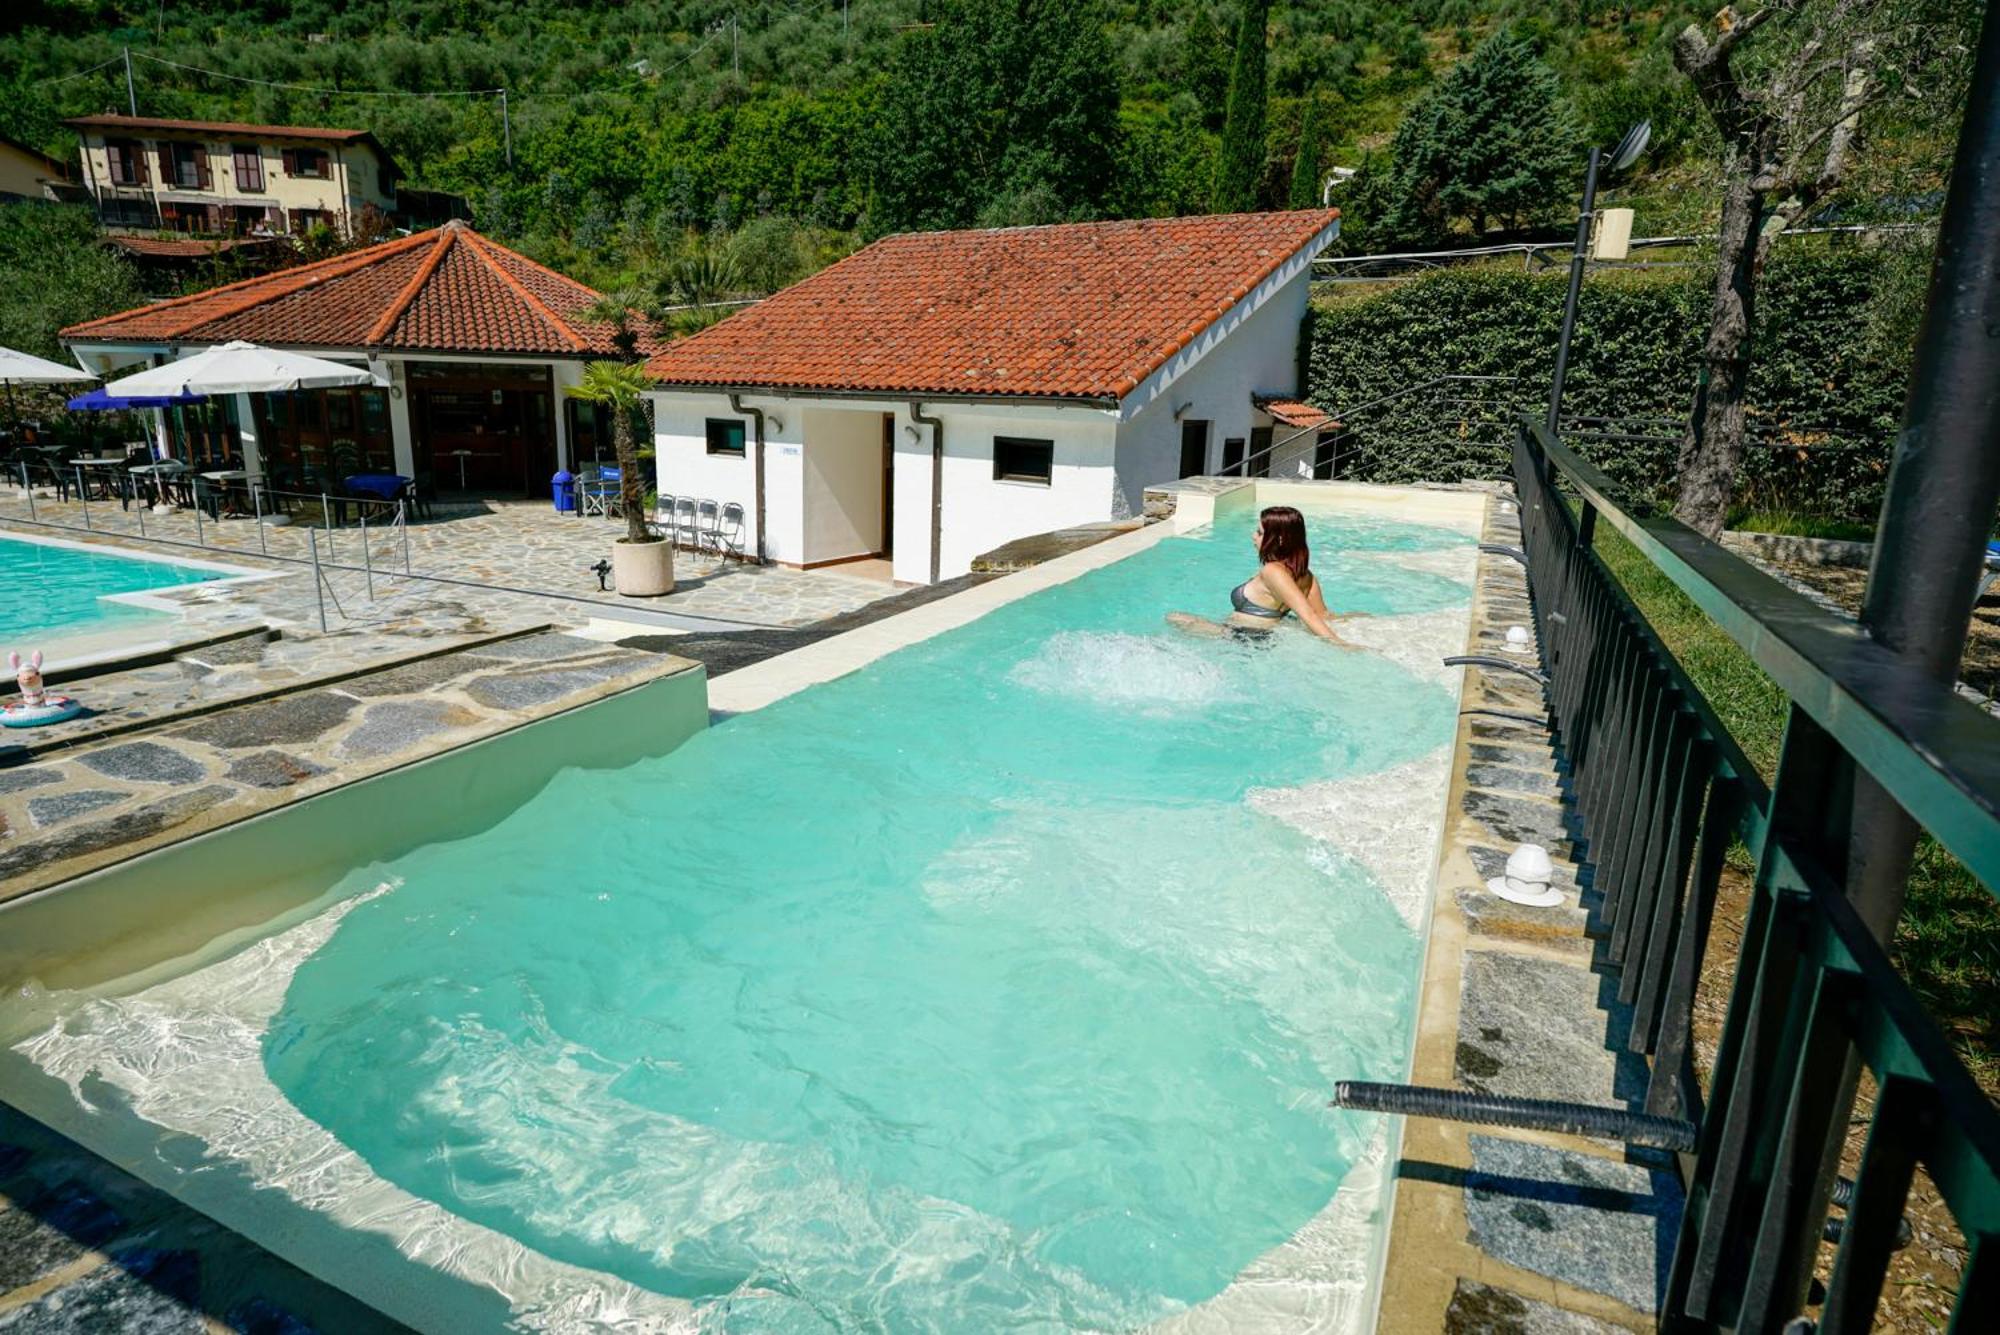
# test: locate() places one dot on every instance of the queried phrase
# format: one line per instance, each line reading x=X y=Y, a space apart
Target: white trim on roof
x=1189 y=355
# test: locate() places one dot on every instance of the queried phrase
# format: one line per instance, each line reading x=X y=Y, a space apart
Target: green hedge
x=1822 y=391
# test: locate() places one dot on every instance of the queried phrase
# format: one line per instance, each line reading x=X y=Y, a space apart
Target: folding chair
x=731 y=531
x=684 y=521
x=708 y=535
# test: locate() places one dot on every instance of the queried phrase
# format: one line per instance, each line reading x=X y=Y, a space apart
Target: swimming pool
x=1001 y=983
x=50 y=589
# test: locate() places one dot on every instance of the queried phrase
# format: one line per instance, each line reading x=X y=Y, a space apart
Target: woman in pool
x=1283 y=585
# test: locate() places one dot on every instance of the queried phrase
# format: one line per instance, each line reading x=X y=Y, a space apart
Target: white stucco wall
x=981 y=513
x=823 y=511
x=1258 y=354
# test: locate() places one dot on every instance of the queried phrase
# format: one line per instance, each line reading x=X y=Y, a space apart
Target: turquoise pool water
x=964 y=992
x=47 y=591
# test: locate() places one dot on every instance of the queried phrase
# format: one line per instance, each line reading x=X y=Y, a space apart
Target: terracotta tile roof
x=1291 y=412
x=154 y=123
x=1081 y=310
x=445 y=290
x=164 y=247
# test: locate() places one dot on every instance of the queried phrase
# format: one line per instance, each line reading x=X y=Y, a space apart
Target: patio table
x=226 y=478
x=157 y=476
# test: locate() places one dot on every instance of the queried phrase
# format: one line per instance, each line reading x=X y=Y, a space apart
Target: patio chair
x=596 y=489
x=663 y=513
x=708 y=526
x=684 y=513
x=730 y=533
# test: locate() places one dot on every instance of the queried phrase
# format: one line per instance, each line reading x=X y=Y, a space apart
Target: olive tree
x=1790 y=109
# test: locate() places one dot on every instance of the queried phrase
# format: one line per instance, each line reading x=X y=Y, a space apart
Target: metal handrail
x=1936 y=753
x=1339 y=416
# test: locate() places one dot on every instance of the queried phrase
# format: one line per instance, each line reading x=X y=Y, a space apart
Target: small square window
x=1018 y=460
x=725 y=436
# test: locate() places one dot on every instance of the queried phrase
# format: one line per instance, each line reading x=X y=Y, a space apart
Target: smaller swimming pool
x=50 y=590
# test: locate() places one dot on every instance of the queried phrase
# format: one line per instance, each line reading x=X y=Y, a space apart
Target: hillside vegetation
x=634 y=125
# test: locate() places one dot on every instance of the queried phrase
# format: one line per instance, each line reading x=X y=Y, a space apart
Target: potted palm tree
x=642 y=563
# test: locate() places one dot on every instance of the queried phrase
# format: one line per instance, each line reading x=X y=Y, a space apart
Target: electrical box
x=1613 y=240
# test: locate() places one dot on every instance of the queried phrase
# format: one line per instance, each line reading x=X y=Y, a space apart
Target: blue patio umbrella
x=100 y=402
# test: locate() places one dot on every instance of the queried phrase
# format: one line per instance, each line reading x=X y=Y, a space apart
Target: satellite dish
x=1631 y=146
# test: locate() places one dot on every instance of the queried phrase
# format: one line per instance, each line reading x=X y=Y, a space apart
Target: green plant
x=1825 y=407
x=620 y=386
x=1239 y=167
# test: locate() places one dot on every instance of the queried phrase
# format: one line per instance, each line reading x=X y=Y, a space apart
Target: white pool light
x=1527 y=878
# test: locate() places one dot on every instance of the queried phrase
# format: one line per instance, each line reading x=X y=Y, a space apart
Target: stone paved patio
x=80 y=807
x=518 y=545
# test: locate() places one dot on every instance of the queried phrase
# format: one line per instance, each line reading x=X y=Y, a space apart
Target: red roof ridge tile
x=394 y=312
x=535 y=303
x=330 y=267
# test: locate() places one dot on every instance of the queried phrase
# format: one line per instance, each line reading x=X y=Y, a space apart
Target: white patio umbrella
x=18 y=368
x=241 y=368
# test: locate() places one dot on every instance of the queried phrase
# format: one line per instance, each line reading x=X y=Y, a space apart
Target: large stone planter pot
x=643 y=569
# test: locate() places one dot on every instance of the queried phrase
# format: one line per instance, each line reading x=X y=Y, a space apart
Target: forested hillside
x=782 y=132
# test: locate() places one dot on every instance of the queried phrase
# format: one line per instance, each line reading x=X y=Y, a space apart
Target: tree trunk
x=631 y=495
x=1712 y=449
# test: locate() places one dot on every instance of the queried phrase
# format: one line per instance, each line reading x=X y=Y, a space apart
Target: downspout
x=937 y=483
x=737 y=406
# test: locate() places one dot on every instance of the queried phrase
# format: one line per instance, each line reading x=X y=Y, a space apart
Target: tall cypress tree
x=1307 y=167
x=1240 y=167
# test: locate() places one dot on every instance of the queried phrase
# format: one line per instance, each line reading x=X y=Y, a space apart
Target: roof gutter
x=890 y=395
x=736 y=405
x=936 y=424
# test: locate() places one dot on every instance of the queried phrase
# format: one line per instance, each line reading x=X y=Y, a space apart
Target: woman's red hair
x=1284 y=539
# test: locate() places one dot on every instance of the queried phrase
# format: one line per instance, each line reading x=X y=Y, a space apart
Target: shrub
x=1824 y=405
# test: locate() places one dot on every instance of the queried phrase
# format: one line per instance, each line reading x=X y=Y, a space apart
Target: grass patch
x=1948 y=942
x=1792 y=524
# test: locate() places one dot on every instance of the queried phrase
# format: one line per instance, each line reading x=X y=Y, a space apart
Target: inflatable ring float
x=53 y=709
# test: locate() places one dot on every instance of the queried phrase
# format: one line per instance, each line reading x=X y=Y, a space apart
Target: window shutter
x=207 y=177
x=291 y=161
x=166 y=153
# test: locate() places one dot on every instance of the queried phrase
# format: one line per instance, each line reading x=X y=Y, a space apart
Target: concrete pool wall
x=190 y=896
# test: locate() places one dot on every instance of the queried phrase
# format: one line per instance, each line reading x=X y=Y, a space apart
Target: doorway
x=484 y=427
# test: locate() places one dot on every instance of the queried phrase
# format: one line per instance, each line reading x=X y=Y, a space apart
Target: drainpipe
x=737 y=406
x=937 y=482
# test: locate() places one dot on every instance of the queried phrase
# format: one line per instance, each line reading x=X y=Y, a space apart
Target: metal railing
x=1490 y=397
x=1661 y=789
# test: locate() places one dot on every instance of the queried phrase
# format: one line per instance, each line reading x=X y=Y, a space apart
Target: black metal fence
x=1662 y=789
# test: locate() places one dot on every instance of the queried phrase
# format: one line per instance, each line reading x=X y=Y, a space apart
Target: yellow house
x=27 y=174
x=226 y=177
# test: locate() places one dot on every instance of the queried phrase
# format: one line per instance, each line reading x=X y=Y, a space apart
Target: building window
x=306 y=162
x=1260 y=451
x=1194 y=448
x=249 y=167
x=725 y=436
x=1018 y=460
x=184 y=166
x=1232 y=456
x=304 y=220
x=126 y=165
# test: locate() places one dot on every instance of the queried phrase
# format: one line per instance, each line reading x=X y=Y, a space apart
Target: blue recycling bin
x=564 y=487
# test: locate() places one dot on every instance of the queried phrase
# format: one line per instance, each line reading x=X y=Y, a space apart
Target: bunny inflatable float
x=36 y=705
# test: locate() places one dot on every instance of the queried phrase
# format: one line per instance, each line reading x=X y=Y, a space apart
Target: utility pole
x=506 y=128
x=131 y=97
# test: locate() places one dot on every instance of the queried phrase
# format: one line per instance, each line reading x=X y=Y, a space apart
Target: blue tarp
x=98 y=401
